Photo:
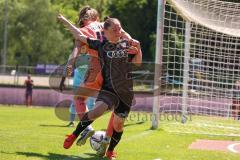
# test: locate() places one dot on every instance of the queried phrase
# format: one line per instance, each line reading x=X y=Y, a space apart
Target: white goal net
x=201 y=63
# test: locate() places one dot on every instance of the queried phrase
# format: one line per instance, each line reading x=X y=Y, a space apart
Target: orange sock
x=109 y=131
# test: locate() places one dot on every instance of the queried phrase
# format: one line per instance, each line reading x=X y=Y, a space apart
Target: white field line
x=204 y=133
x=136 y=136
x=231 y=147
x=207 y=125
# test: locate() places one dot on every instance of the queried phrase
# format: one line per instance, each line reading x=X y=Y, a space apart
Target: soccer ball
x=95 y=140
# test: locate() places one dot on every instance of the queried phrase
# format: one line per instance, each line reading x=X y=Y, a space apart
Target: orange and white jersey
x=93 y=30
x=93 y=77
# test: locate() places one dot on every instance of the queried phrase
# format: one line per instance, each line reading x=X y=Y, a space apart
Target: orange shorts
x=93 y=78
x=91 y=86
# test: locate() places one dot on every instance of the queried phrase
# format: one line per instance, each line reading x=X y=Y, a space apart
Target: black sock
x=116 y=137
x=85 y=121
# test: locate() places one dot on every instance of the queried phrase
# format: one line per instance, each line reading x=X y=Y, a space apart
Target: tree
x=139 y=19
x=34 y=36
x=2 y=9
x=67 y=7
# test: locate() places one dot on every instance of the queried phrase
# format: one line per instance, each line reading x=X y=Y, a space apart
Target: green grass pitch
x=36 y=133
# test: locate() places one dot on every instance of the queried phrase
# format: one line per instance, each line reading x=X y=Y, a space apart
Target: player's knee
x=80 y=115
x=79 y=98
x=118 y=128
x=118 y=125
x=94 y=114
x=75 y=97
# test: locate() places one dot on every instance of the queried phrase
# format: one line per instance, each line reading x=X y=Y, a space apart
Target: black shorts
x=28 y=94
x=121 y=108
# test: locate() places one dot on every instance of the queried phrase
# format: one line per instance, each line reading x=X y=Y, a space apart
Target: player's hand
x=134 y=46
x=132 y=50
x=62 y=84
x=134 y=42
x=125 y=35
x=61 y=18
x=69 y=70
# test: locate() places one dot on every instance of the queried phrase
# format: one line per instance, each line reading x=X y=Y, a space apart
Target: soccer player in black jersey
x=116 y=56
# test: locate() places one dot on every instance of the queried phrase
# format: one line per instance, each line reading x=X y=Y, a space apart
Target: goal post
x=186 y=70
x=158 y=62
x=198 y=51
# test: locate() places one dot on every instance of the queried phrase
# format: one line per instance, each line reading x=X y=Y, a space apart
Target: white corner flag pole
x=158 y=62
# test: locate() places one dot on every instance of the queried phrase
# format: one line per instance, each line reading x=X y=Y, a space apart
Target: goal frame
x=158 y=62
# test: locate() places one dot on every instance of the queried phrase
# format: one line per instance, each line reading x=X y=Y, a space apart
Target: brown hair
x=87 y=13
x=105 y=18
x=109 y=21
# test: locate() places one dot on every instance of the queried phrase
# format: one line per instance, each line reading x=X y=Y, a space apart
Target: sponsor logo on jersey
x=116 y=50
x=117 y=54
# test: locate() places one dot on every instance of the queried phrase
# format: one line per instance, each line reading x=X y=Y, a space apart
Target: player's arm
x=62 y=84
x=73 y=29
x=134 y=48
x=138 y=56
x=74 y=54
x=93 y=43
x=125 y=35
x=69 y=66
x=72 y=59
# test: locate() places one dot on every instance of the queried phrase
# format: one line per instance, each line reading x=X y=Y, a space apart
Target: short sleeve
x=93 y=43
